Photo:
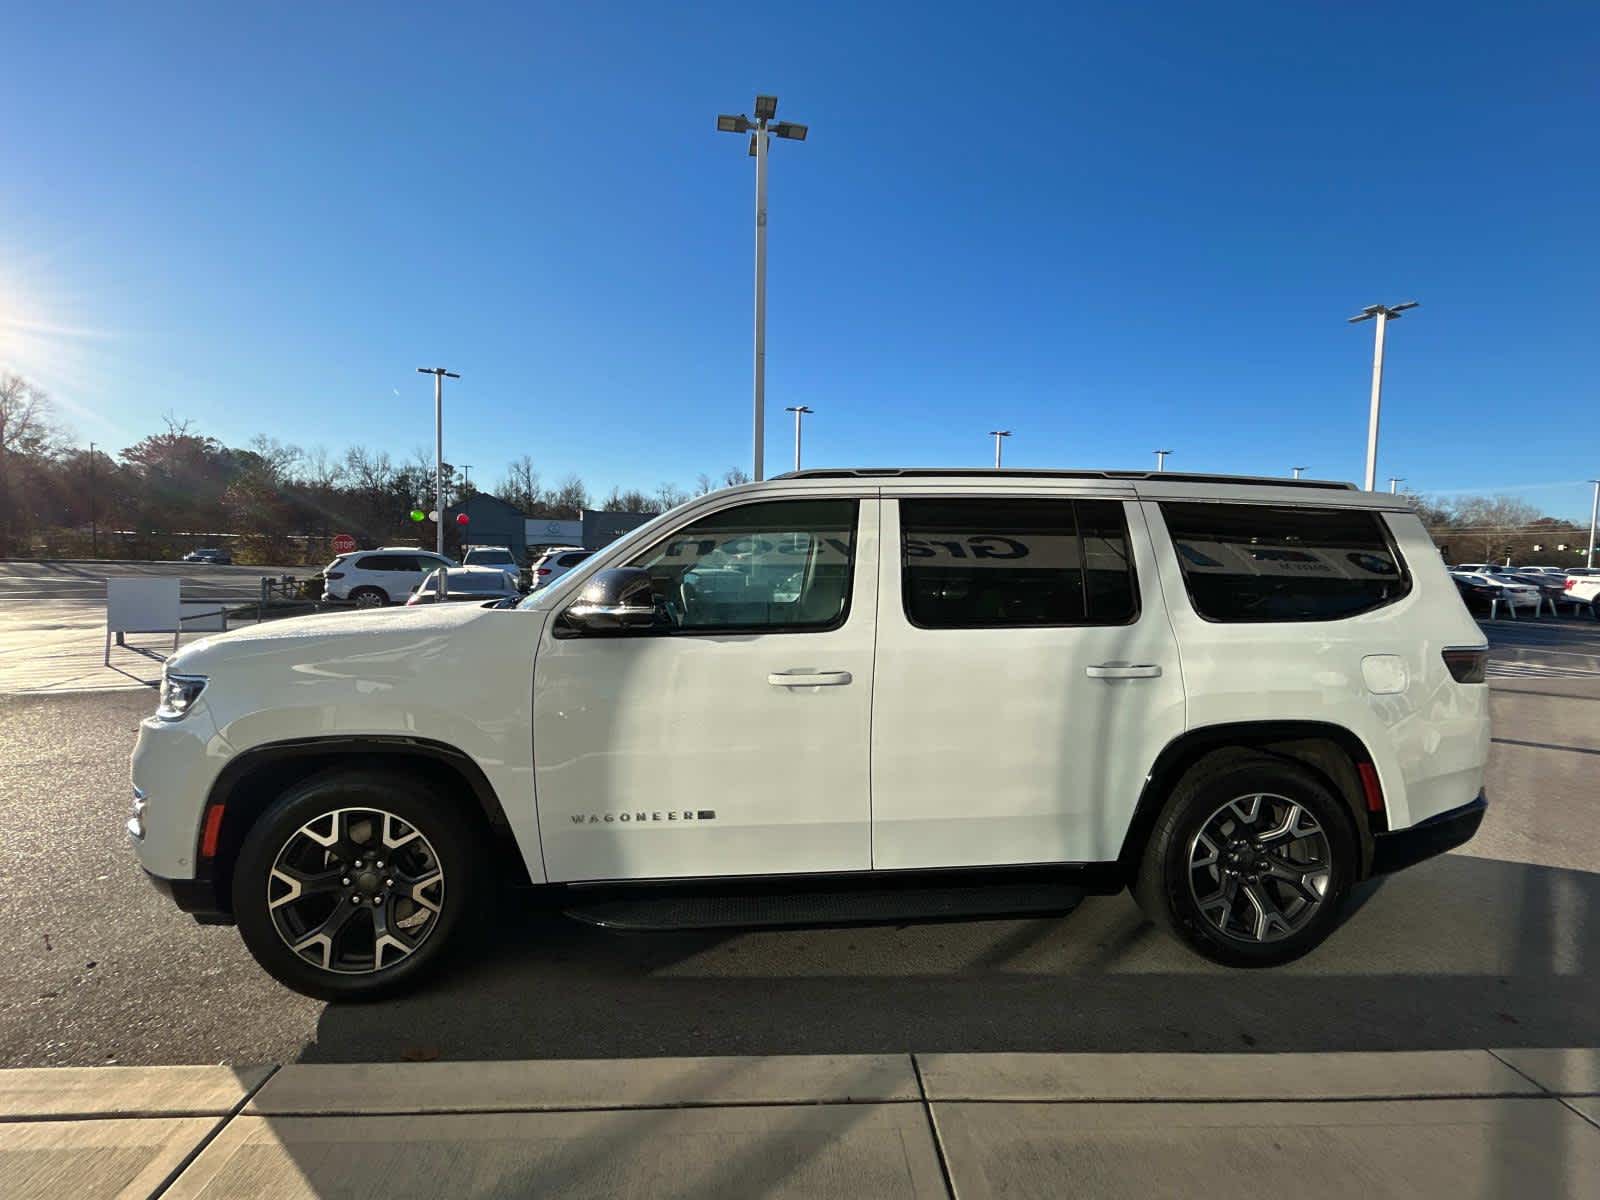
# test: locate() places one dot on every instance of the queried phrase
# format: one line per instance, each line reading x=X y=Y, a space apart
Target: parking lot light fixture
x=1383 y=314
x=998 y=435
x=1394 y=482
x=799 y=411
x=1297 y=471
x=439 y=376
x=1161 y=459
x=1594 y=518
x=761 y=131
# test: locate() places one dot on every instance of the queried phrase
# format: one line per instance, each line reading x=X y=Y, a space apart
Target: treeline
x=268 y=501
x=1497 y=528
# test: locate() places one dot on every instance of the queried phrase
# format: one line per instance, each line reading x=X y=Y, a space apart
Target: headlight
x=178 y=692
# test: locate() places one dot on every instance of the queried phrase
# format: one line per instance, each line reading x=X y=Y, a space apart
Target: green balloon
x=418 y=515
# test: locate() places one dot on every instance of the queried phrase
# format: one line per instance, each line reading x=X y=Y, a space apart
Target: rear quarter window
x=1258 y=562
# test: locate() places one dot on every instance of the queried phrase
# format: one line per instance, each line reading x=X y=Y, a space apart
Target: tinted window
x=989 y=563
x=386 y=562
x=784 y=564
x=1254 y=562
x=570 y=560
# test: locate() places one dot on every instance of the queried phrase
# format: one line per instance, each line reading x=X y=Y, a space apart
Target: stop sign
x=343 y=543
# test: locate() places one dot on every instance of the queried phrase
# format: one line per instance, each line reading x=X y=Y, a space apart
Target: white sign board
x=142 y=606
x=542 y=531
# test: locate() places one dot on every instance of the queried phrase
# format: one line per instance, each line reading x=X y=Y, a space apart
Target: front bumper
x=197 y=897
x=1407 y=847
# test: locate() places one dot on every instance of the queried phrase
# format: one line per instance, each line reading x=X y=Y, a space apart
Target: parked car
x=209 y=554
x=467 y=583
x=1476 y=592
x=553 y=564
x=1583 y=589
x=1510 y=592
x=501 y=558
x=846 y=695
x=374 y=578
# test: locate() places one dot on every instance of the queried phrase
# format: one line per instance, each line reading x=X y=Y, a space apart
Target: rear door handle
x=808 y=678
x=1123 y=671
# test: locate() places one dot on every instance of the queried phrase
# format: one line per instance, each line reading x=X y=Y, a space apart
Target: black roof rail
x=1053 y=473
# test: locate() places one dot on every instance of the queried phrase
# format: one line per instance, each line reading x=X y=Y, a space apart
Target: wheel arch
x=1335 y=753
x=256 y=777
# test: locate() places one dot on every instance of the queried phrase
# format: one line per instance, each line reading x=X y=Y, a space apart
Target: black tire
x=1167 y=888
x=369 y=597
x=451 y=838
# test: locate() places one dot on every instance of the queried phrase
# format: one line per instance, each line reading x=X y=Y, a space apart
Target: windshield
x=489 y=556
x=463 y=581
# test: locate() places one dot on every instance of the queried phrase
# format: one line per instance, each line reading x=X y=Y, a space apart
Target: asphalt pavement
x=85 y=579
x=1493 y=946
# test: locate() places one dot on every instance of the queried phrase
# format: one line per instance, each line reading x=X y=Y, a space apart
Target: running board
x=802 y=909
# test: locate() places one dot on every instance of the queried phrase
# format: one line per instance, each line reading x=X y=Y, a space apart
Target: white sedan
x=466 y=584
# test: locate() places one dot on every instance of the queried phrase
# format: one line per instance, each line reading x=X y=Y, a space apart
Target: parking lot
x=1493 y=945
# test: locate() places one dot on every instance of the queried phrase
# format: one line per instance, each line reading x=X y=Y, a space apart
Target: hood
x=313 y=637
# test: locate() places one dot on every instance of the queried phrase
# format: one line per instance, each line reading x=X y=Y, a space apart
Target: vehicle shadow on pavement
x=1460 y=952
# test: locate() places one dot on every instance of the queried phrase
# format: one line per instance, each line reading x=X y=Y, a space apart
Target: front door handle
x=1123 y=671
x=808 y=678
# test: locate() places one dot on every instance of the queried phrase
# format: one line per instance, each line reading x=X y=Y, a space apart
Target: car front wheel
x=354 y=883
x=1250 y=861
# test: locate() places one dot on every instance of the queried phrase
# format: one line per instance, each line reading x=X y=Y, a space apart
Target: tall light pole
x=799 y=411
x=1383 y=314
x=760 y=131
x=1297 y=471
x=1594 y=518
x=998 y=435
x=466 y=478
x=93 y=520
x=1394 y=482
x=439 y=376
x=1161 y=459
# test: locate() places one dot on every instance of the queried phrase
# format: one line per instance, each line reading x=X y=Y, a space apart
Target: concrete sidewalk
x=1435 y=1123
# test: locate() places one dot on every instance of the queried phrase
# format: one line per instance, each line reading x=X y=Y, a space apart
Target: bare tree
x=520 y=485
x=669 y=495
x=703 y=483
x=26 y=432
x=733 y=476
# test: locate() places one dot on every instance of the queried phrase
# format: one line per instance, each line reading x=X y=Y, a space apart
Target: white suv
x=374 y=578
x=836 y=694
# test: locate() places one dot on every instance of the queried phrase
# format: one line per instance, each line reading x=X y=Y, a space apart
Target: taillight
x=544 y=570
x=334 y=575
x=1467 y=666
x=1567 y=583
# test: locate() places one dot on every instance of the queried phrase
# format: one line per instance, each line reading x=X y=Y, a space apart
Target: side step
x=801 y=909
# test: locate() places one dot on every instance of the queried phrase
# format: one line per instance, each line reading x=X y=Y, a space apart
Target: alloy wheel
x=355 y=890
x=1259 y=868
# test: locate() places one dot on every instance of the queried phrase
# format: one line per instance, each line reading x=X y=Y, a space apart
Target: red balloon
x=461 y=518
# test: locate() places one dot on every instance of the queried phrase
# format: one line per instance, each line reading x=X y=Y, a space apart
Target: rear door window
x=977 y=563
x=1258 y=562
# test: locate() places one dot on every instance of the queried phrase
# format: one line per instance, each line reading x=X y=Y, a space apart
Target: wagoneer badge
x=675 y=814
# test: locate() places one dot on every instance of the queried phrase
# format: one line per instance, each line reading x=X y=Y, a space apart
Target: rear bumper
x=197 y=897
x=1407 y=847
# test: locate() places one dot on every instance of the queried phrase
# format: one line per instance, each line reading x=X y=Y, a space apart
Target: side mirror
x=613 y=601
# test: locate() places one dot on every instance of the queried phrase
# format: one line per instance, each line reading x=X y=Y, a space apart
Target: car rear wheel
x=353 y=884
x=369 y=597
x=1250 y=861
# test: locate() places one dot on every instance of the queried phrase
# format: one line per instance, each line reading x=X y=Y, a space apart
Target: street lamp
x=1383 y=313
x=1594 y=518
x=439 y=376
x=1394 y=482
x=997 y=435
x=94 y=522
x=760 y=131
x=1297 y=471
x=1161 y=459
x=799 y=411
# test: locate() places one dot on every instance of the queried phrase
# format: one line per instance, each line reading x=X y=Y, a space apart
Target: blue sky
x=1106 y=227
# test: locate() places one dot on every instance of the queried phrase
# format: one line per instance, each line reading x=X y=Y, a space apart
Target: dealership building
x=496 y=522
